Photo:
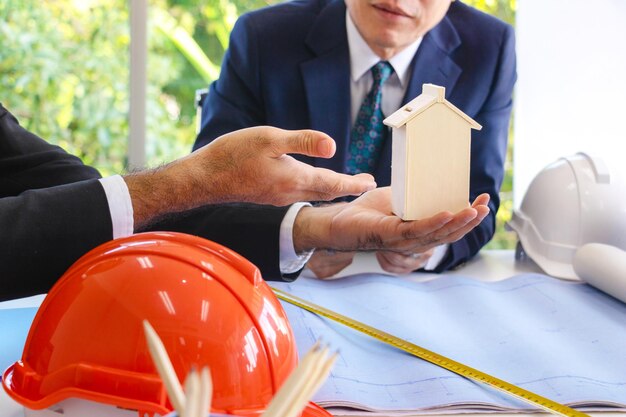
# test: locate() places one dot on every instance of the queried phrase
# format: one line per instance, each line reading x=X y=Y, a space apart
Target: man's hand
x=325 y=264
x=252 y=165
x=249 y=165
x=403 y=263
x=367 y=223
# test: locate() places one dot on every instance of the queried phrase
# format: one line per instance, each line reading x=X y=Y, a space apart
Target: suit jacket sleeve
x=488 y=155
x=52 y=210
x=248 y=229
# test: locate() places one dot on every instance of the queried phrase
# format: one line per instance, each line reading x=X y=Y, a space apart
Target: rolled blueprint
x=602 y=266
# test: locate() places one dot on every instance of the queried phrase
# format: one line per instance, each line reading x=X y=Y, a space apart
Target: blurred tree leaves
x=208 y=24
x=65 y=73
x=502 y=9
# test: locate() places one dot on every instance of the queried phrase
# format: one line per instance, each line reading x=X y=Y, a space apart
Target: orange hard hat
x=208 y=304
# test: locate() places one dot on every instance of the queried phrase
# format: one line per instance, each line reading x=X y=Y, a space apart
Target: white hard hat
x=571 y=202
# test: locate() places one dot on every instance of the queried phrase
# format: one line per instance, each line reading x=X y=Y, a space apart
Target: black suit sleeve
x=248 y=229
x=52 y=210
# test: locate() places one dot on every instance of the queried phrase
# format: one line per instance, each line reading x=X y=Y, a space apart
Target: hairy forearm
x=158 y=192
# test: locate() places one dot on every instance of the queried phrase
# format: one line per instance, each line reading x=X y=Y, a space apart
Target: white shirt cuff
x=120 y=205
x=290 y=261
x=439 y=253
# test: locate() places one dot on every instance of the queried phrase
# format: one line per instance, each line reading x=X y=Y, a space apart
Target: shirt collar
x=362 y=58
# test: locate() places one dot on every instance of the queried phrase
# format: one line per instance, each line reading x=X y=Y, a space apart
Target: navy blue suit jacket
x=288 y=66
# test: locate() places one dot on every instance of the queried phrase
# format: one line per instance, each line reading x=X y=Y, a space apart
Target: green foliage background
x=64 y=66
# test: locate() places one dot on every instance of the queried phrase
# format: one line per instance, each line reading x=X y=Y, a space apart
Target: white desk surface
x=493 y=265
x=486 y=266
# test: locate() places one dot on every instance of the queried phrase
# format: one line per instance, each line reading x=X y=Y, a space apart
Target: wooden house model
x=430 y=157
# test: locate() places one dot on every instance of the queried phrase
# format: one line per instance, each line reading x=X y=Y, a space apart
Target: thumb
x=306 y=142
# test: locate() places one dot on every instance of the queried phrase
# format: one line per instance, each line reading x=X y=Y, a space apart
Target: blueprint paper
x=14 y=326
x=565 y=341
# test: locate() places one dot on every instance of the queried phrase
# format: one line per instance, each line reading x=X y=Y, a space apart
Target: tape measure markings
x=432 y=357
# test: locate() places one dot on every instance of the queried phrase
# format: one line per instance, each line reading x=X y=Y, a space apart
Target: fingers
x=325 y=264
x=482 y=210
x=256 y=159
x=481 y=213
x=324 y=185
x=401 y=263
x=305 y=142
x=327 y=185
x=441 y=228
x=419 y=228
x=445 y=224
x=461 y=223
x=464 y=222
x=319 y=184
x=481 y=200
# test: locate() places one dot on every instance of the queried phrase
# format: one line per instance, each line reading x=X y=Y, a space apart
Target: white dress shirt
x=120 y=205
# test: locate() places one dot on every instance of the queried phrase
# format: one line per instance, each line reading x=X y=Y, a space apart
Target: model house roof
x=431 y=94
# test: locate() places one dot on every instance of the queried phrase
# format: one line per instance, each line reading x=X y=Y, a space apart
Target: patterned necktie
x=368 y=134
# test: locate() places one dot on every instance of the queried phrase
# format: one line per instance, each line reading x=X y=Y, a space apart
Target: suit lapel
x=432 y=62
x=326 y=80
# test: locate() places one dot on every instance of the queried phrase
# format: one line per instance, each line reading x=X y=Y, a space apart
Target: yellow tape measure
x=432 y=357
